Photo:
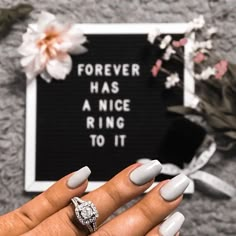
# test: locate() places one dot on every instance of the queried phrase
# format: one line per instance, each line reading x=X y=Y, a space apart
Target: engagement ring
x=86 y=213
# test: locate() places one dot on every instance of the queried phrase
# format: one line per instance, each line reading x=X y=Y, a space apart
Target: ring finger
x=125 y=186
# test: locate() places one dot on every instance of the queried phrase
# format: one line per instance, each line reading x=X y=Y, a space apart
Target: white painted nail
x=78 y=177
x=175 y=187
x=172 y=225
x=145 y=172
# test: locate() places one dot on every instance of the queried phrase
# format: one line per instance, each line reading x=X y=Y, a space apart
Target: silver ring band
x=86 y=213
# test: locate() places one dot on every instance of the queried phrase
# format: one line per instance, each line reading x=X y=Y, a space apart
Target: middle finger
x=150 y=211
x=125 y=186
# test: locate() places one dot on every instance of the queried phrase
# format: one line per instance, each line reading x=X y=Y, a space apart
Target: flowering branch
x=215 y=80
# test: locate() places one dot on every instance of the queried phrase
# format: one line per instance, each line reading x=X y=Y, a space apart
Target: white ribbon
x=192 y=170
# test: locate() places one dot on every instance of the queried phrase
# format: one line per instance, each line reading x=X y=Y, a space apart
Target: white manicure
x=78 y=177
x=175 y=187
x=172 y=225
x=146 y=172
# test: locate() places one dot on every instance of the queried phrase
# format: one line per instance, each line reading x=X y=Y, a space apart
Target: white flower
x=196 y=23
x=203 y=45
x=169 y=51
x=199 y=22
x=211 y=31
x=207 y=44
x=203 y=50
x=172 y=80
x=206 y=74
x=165 y=41
x=153 y=34
x=46 y=47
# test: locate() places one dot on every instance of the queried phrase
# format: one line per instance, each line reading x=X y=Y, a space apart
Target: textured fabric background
x=206 y=215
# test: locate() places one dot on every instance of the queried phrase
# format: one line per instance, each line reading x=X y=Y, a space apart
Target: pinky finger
x=170 y=227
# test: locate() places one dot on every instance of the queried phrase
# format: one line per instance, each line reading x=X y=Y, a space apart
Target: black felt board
x=62 y=140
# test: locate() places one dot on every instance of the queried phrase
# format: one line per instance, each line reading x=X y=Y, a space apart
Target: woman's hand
x=51 y=213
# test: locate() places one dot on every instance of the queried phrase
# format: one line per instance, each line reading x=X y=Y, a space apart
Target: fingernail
x=145 y=172
x=78 y=177
x=172 y=225
x=175 y=187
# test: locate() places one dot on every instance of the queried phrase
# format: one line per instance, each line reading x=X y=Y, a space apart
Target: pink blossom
x=179 y=43
x=156 y=68
x=221 y=68
x=199 y=57
x=176 y=44
x=183 y=41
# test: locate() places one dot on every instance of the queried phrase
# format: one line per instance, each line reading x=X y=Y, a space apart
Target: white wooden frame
x=31 y=185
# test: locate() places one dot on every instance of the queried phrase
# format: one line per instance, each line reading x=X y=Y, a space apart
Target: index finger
x=46 y=204
x=123 y=187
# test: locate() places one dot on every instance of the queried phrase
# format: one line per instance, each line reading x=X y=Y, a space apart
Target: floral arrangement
x=47 y=46
x=215 y=80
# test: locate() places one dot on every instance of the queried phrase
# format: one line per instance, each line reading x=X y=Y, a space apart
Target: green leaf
x=210 y=92
x=21 y=10
x=230 y=134
x=217 y=123
x=216 y=118
x=232 y=70
x=218 y=93
x=182 y=110
x=9 y=16
x=229 y=101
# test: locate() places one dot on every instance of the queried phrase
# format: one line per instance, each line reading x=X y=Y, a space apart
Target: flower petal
x=199 y=57
x=199 y=22
x=33 y=68
x=71 y=48
x=172 y=80
x=176 y=43
x=165 y=41
x=45 y=18
x=169 y=51
x=154 y=71
x=183 y=41
x=44 y=75
x=25 y=61
x=77 y=49
x=168 y=84
x=211 y=31
x=158 y=63
x=153 y=34
x=72 y=41
x=196 y=24
x=75 y=35
x=59 y=68
x=31 y=32
x=27 y=49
